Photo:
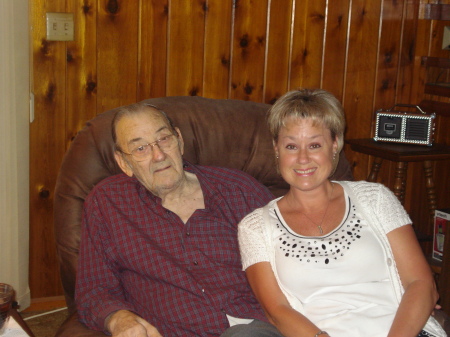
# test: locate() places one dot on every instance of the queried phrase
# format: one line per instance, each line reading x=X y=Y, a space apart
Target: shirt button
x=195 y=263
x=203 y=290
x=188 y=234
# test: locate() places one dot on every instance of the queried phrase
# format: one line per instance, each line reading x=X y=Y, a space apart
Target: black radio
x=404 y=127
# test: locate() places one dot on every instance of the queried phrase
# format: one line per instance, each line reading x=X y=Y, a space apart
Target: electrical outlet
x=60 y=27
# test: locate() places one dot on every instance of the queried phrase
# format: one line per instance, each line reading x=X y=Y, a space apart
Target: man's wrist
x=107 y=324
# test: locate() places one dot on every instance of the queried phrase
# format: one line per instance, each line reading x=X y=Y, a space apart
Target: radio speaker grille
x=416 y=129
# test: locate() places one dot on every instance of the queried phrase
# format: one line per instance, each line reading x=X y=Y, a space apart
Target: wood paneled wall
x=366 y=52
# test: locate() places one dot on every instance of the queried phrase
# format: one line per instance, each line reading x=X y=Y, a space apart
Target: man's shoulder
x=227 y=175
x=111 y=183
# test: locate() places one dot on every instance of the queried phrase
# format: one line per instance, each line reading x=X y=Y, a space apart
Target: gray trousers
x=253 y=329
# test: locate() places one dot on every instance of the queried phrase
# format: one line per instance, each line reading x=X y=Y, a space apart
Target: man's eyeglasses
x=144 y=151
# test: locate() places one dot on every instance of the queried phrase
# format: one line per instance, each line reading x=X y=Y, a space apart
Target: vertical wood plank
x=308 y=39
x=408 y=49
x=216 y=73
x=388 y=55
x=186 y=48
x=361 y=75
x=81 y=94
x=47 y=145
x=278 y=50
x=335 y=48
x=152 y=69
x=422 y=48
x=117 y=53
x=249 y=43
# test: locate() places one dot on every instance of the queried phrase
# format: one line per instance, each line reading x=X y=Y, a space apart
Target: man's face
x=162 y=172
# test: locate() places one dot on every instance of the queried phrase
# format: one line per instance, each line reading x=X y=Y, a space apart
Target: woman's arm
x=420 y=294
x=277 y=308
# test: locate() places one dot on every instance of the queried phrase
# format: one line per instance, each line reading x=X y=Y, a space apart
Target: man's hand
x=124 y=323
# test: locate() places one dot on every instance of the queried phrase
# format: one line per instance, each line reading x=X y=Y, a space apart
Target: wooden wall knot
x=244 y=42
x=91 y=86
x=318 y=16
x=86 y=7
x=273 y=100
x=388 y=57
x=69 y=56
x=248 y=88
x=44 y=193
x=112 y=7
x=193 y=91
x=51 y=92
x=224 y=60
x=45 y=47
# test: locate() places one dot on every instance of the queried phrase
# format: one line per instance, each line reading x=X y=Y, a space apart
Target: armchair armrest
x=73 y=327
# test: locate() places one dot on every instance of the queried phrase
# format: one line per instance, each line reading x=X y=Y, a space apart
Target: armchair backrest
x=216 y=132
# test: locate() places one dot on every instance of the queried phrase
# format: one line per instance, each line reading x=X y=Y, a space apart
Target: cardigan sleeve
x=252 y=242
x=379 y=204
x=390 y=211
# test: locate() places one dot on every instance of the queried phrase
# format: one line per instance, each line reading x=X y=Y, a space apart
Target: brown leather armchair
x=216 y=132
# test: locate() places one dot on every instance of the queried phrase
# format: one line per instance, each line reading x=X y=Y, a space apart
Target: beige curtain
x=14 y=146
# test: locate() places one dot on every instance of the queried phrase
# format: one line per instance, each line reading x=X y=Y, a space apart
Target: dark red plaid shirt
x=182 y=278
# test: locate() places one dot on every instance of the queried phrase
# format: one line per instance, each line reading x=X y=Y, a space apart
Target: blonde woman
x=333 y=258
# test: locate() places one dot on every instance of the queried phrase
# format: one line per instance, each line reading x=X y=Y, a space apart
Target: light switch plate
x=60 y=27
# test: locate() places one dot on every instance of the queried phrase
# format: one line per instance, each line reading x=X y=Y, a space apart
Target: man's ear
x=180 y=140
x=123 y=164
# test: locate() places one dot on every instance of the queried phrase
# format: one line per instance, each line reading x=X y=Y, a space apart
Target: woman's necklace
x=319 y=226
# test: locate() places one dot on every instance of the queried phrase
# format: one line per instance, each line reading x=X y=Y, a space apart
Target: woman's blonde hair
x=322 y=107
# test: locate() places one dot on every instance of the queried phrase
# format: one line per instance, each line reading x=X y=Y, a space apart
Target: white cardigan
x=371 y=199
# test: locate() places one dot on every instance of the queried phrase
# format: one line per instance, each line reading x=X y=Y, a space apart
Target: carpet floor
x=44 y=323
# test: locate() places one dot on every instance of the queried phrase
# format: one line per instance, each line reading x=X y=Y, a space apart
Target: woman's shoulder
x=257 y=215
x=362 y=186
x=258 y=212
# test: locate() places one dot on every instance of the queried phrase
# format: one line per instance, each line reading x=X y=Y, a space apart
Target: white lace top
x=346 y=281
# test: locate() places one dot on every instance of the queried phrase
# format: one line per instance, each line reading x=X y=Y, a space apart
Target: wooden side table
x=21 y=322
x=402 y=154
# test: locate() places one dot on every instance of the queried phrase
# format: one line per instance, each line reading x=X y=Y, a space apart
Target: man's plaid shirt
x=182 y=278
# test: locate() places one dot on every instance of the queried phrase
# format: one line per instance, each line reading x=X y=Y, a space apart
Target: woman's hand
x=420 y=295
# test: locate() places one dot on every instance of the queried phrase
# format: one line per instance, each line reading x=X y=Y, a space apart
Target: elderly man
x=159 y=253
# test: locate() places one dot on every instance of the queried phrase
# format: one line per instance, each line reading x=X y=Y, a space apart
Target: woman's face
x=305 y=154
